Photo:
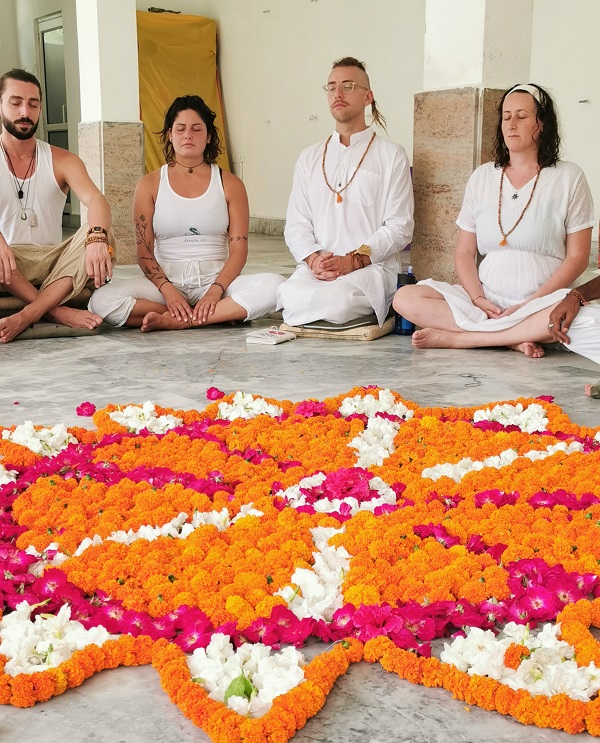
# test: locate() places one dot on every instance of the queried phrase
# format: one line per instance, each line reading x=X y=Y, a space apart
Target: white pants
x=307 y=299
x=256 y=293
x=584 y=333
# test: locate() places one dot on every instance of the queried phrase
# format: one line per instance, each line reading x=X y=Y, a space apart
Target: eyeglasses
x=346 y=87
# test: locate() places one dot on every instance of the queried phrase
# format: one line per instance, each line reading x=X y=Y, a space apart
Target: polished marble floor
x=45 y=380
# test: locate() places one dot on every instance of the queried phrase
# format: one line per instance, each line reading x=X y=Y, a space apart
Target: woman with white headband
x=530 y=215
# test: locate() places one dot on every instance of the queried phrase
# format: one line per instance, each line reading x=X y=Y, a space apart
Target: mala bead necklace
x=502 y=242
x=338 y=192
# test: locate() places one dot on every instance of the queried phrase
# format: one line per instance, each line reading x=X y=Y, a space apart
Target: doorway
x=51 y=66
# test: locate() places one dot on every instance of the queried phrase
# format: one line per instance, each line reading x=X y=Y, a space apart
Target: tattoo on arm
x=237 y=239
x=148 y=262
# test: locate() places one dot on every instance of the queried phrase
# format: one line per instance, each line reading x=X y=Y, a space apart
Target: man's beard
x=17 y=133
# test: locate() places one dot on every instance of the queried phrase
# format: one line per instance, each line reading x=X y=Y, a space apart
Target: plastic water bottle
x=403 y=326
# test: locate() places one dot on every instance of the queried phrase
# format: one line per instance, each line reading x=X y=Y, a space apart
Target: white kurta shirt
x=376 y=210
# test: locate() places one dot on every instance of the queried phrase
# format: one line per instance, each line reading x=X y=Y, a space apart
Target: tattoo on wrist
x=237 y=239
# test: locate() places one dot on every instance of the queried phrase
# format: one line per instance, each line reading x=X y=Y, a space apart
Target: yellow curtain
x=177 y=56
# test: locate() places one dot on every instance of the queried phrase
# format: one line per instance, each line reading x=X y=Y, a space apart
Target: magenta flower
x=310 y=409
x=476 y=544
x=467 y=615
x=496 y=551
x=194 y=635
x=438 y=531
x=497 y=497
x=541 y=603
x=86 y=409
x=495 y=612
x=111 y=617
x=262 y=630
x=285 y=466
x=562 y=498
x=404 y=639
x=416 y=621
x=372 y=621
x=213 y=393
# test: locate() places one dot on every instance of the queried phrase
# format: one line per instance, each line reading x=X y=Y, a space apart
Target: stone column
x=111 y=136
x=474 y=50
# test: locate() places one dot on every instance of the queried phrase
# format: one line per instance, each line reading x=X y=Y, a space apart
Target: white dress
x=562 y=204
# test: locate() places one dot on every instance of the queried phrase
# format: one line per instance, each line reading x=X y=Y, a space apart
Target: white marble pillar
x=111 y=139
x=474 y=50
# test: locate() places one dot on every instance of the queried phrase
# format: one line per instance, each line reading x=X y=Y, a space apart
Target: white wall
x=9 y=50
x=273 y=64
x=565 y=60
x=453 y=53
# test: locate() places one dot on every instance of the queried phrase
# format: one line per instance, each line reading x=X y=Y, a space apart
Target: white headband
x=531 y=89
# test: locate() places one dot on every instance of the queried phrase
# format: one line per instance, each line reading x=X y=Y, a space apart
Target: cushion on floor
x=365 y=332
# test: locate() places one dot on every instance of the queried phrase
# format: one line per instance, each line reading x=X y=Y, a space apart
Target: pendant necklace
x=502 y=242
x=190 y=168
x=19 y=186
x=338 y=191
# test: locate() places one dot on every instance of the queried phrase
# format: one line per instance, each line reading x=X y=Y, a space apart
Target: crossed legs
x=43 y=303
x=426 y=307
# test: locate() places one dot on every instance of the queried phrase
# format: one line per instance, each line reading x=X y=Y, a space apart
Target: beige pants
x=42 y=265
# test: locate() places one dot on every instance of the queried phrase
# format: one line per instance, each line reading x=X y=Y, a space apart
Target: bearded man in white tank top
x=191 y=223
x=36 y=265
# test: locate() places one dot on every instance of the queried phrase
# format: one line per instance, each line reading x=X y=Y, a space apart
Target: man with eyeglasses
x=350 y=212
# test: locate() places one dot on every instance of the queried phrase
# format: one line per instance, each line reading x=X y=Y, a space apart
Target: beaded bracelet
x=579 y=295
x=481 y=296
x=358 y=260
x=216 y=283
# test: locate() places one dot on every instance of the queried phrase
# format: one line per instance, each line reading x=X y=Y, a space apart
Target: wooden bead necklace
x=502 y=242
x=338 y=193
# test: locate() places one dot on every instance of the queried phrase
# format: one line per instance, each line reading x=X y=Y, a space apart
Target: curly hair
x=194 y=103
x=378 y=117
x=549 y=139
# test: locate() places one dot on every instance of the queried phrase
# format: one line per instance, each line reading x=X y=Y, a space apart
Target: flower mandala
x=216 y=544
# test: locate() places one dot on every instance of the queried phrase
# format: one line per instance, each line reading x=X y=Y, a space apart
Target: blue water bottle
x=403 y=326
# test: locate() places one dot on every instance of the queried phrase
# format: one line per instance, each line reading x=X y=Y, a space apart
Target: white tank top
x=190 y=229
x=42 y=197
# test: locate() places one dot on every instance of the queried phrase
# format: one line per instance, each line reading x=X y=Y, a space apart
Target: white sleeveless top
x=42 y=196
x=190 y=229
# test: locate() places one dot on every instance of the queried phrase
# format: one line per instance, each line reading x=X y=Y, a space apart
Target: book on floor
x=270 y=336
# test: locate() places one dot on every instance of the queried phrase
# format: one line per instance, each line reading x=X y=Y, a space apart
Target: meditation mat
x=361 y=329
x=54 y=330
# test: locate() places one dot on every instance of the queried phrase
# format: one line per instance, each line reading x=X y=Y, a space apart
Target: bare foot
x=529 y=349
x=431 y=338
x=11 y=326
x=73 y=318
x=156 y=321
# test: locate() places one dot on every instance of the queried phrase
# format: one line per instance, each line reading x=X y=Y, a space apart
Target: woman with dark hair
x=530 y=216
x=191 y=226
